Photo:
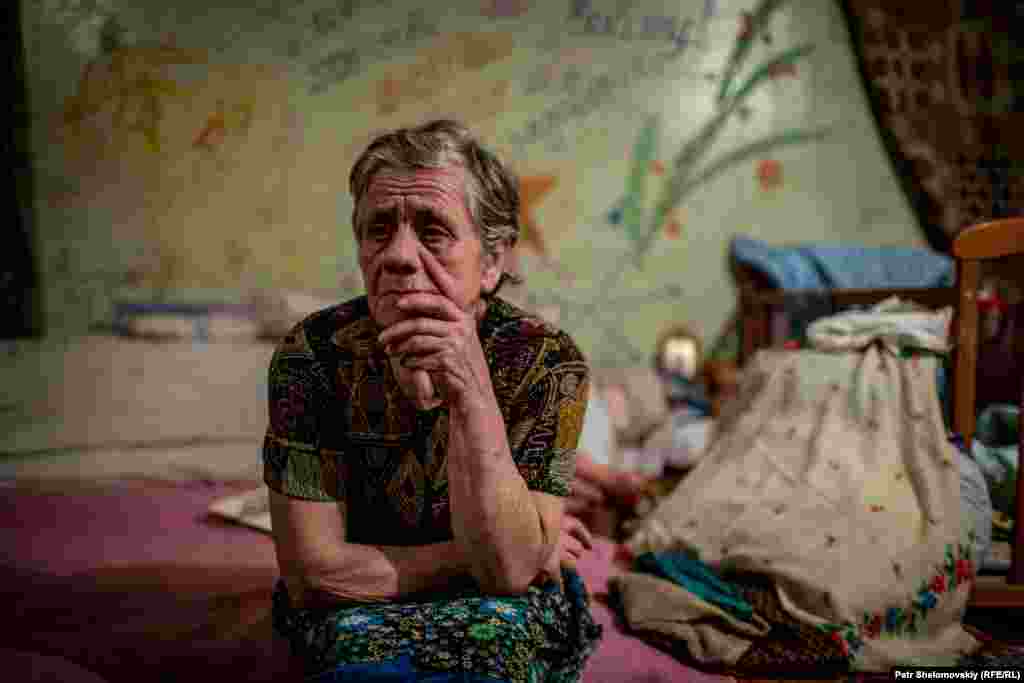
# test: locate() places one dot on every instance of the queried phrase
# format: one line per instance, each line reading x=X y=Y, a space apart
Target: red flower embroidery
x=939 y=584
x=964 y=570
x=672 y=229
x=873 y=627
x=841 y=642
x=792 y=345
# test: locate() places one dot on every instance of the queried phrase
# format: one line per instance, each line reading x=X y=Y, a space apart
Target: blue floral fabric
x=545 y=635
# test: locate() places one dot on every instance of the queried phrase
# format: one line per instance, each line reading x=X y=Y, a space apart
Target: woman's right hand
x=416 y=384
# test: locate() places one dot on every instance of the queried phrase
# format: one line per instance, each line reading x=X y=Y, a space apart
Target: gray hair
x=492 y=190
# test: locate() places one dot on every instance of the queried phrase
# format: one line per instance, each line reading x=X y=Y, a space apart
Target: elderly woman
x=422 y=439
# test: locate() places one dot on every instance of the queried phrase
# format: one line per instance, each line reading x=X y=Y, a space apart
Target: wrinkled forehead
x=441 y=189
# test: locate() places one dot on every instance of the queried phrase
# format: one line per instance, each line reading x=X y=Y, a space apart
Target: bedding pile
x=833 y=477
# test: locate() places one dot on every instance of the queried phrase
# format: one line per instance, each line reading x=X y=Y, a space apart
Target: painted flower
x=672 y=229
x=746 y=26
x=939 y=584
x=769 y=173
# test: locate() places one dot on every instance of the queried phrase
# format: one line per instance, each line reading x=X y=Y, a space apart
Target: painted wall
x=189 y=152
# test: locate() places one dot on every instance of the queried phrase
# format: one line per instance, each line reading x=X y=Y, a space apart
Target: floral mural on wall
x=652 y=205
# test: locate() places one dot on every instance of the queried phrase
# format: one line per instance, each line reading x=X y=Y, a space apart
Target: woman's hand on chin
x=416 y=385
x=437 y=343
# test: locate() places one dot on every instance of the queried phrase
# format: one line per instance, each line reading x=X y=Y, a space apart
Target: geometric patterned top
x=341 y=429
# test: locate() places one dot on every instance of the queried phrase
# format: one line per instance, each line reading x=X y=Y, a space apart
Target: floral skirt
x=545 y=635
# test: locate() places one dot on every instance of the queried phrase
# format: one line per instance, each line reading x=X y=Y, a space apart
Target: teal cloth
x=685 y=570
x=995 y=449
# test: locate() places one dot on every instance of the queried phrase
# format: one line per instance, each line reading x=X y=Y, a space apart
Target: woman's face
x=404 y=214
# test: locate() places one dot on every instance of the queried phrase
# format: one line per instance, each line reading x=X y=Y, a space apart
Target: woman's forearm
x=367 y=573
x=494 y=518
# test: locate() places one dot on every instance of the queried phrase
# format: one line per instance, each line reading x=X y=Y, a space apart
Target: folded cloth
x=670 y=614
x=815 y=266
x=687 y=571
x=792 y=648
x=772 y=645
x=996 y=450
x=975 y=504
x=895 y=323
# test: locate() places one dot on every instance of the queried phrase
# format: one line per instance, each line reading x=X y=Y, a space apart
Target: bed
x=112 y=567
x=176 y=593
x=771 y=316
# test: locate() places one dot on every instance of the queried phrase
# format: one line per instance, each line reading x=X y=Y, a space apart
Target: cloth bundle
x=893 y=322
x=832 y=474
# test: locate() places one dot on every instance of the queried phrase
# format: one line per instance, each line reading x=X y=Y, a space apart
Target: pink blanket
x=121 y=581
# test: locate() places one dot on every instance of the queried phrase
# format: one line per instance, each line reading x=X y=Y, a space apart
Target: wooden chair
x=758 y=303
x=978 y=243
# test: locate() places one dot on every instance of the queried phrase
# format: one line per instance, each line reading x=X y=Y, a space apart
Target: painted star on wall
x=533 y=188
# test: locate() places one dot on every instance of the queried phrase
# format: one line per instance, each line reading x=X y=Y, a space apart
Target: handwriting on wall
x=439 y=65
x=586 y=93
x=626 y=23
x=330 y=19
x=585 y=90
x=338 y=66
x=497 y=9
x=329 y=25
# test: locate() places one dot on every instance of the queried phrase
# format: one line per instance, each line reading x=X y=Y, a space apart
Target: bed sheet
x=124 y=580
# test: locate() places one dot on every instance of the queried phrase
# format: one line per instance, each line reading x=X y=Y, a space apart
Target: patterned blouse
x=342 y=430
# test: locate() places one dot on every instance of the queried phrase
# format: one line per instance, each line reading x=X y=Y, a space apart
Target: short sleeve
x=545 y=425
x=298 y=391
